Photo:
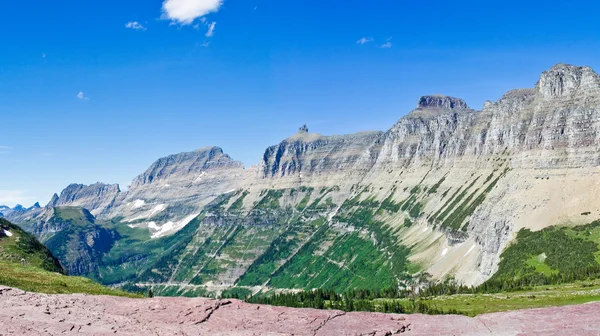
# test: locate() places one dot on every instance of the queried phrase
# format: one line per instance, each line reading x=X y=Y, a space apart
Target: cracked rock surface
x=23 y=313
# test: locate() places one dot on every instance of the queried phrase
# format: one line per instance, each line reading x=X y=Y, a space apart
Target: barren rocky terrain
x=23 y=313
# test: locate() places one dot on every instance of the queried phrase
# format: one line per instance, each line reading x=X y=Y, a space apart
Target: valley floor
x=24 y=313
x=538 y=297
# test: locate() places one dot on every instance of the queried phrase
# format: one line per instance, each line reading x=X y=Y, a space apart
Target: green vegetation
x=74 y=215
x=304 y=202
x=279 y=251
x=236 y=293
x=553 y=255
x=350 y=262
x=81 y=243
x=436 y=186
x=270 y=200
x=34 y=279
x=20 y=247
x=26 y=264
x=389 y=205
x=239 y=202
x=431 y=300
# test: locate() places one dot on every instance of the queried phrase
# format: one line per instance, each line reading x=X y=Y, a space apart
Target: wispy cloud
x=186 y=11
x=135 y=26
x=365 y=40
x=5 y=149
x=211 y=29
x=13 y=197
x=386 y=45
x=82 y=96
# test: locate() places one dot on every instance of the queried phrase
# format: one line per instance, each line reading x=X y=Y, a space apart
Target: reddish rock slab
x=23 y=313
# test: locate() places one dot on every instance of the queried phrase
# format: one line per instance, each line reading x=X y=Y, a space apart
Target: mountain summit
x=447 y=190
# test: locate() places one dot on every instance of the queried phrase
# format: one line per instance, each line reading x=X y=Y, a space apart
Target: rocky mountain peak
x=441 y=102
x=565 y=79
x=303 y=129
x=96 y=197
x=53 y=201
x=183 y=164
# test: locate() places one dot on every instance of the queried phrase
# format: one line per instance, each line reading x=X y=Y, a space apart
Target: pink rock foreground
x=23 y=313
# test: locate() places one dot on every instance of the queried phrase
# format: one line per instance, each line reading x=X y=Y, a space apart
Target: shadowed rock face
x=96 y=198
x=313 y=154
x=441 y=102
x=28 y=313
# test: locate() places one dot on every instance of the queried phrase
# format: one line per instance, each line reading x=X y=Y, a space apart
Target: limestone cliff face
x=176 y=187
x=97 y=198
x=184 y=165
x=551 y=131
x=466 y=179
x=314 y=157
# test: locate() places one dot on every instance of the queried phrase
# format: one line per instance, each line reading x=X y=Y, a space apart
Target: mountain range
x=447 y=190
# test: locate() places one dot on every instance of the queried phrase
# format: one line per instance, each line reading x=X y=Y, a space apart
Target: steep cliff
x=176 y=188
x=97 y=198
x=445 y=190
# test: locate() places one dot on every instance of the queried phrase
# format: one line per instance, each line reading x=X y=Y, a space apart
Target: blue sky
x=84 y=98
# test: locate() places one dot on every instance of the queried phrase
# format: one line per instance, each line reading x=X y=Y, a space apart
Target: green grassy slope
x=81 y=243
x=19 y=247
x=26 y=264
x=557 y=254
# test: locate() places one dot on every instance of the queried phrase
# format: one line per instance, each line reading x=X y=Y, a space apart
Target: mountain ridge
x=444 y=190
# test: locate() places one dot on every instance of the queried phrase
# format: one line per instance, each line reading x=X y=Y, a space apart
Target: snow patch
x=138 y=204
x=153 y=226
x=444 y=252
x=157 y=209
x=8 y=233
x=470 y=250
x=199 y=178
x=170 y=227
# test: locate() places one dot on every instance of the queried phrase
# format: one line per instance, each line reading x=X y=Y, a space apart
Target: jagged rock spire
x=303 y=129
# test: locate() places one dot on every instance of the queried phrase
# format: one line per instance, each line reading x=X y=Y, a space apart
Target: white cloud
x=365 y=40
x=135 y=25
x=386 y=45
x=82 y=96
x=211 y=29
x=5 y=149
x=186 y=11
x=13 y=197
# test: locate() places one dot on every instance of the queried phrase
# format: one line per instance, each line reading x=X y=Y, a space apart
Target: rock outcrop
x=97 y=198
x=24 y=313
